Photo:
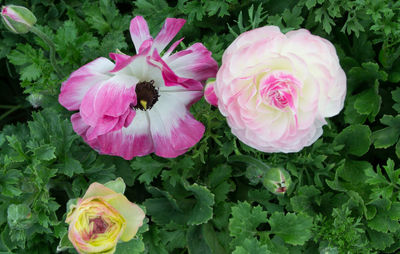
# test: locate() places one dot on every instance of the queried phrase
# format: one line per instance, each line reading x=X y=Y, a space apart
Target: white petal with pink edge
x=170 y=28
x=194 y=62
x=78 y=84
x=139 y=32
x=173 y=128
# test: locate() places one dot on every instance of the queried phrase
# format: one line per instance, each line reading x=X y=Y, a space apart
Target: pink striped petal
x=135 y=140
x=170 y=78
x=173 y=46
x=195 y=62
x=78 y=84
x=107 y=106
x=170 y=28
x=139 y=32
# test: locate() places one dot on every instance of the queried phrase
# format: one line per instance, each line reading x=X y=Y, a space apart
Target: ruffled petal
x=194 y=62
x=132 y=214
x=170 y=28
x=78 y=84
x=107 y=106
x=139 y=32
x=173 y=128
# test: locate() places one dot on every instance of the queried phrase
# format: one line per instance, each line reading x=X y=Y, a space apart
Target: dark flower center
x=99 y=225
x=146 y=94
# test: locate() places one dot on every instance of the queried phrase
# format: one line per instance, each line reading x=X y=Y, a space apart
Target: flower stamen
x=146 y=94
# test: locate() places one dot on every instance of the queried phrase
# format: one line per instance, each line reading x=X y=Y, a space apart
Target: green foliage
x=344 y=194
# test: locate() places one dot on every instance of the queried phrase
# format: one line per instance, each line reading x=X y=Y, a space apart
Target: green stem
x=52 y=47
x=7 y=106
x=9 y=112
x=248 y=160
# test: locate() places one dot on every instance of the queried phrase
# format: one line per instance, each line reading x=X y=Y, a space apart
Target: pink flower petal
x=170 y=78
x=78 y=84
x=195 y=62
x=209 y=94
x=173 y=128
x=170 y=28
x=173 y=46
x=139 y=32
x=106 y=106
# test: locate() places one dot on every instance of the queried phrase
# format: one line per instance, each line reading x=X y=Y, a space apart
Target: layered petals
x=101 y=218
x=276 y=90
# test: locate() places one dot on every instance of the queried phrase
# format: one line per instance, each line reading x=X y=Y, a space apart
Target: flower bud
x=17 y=19
x=277 y=180
x=35 y=99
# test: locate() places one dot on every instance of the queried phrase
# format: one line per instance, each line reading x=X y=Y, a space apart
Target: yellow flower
x=100 y=219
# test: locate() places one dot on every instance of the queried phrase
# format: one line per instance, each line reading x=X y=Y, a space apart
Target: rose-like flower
x=140 y=104
x=17 y=19
x=277 y=89
x=100 y=219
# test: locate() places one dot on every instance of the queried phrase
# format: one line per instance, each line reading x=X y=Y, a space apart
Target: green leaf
x=251 y=246
x=293 y=228
x=244 y=222
x=134 y=246
x=368 y=102
x=196 y=242
x=379 y=240
x=44 y=152
x=71 y=167
x=356 y=139
x=306 y=199
x=388 y=136
x=64 y=243
x=147 y=168
x=202 y=210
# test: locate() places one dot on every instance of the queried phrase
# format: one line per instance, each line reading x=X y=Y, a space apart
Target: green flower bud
x=35 y=99
x=277 y=180
x=17 y=19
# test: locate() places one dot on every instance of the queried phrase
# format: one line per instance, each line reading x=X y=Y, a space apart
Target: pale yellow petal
x=132 y=213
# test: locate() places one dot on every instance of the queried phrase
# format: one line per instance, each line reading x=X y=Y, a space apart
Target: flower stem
x=249 y=160
x=52 y=47
x=9 y=112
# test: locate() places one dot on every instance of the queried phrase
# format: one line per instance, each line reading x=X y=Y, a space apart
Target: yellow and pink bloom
x=140 y=104
x=277 y=89
x=100 y=219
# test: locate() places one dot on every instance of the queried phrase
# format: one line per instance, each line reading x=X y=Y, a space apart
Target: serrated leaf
x=71 y=167
x=147 y=168
x=356 y=139
x=134 y=246
x=44 y=152
x=251 y=246
x=202 y=210
x=196 y=242
x=244 y=222
x=368 y=102
x=293 y=228
x=388 y=136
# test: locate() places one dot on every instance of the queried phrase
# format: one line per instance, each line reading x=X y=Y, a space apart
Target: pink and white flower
x=140 y=104
x=277 y=89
